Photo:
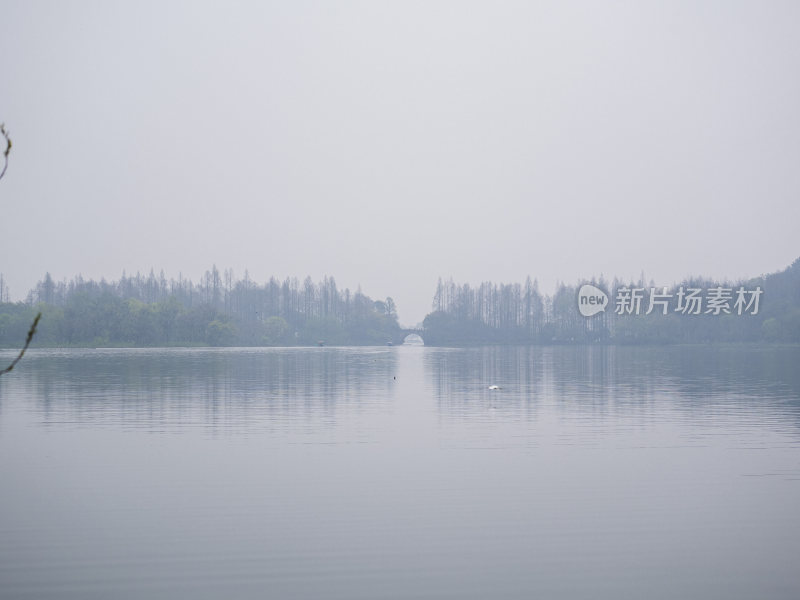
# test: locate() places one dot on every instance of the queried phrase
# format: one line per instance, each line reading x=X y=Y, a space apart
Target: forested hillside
x=218 y=311
x=520 y=313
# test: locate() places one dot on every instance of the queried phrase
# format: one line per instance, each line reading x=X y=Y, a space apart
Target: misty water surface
x=396 y=473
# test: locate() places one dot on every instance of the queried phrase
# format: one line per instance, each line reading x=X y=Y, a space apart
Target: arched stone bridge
x=405 y=333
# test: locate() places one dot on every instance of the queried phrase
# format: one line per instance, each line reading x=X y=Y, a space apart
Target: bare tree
x=32 y=330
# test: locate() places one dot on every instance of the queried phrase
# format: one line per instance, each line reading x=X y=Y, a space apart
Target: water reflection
x=699 y=384
x=363 y=473
x=161 y=388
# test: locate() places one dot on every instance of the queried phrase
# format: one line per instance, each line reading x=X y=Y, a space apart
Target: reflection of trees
x=182 y=387
x=461 y=378
x=697 y=381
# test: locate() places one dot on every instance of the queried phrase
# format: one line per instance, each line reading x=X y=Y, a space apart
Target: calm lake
x=396 y=472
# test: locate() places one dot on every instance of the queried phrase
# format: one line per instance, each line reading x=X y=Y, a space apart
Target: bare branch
x=31 y=333
x=7 y=150
x=32 y=330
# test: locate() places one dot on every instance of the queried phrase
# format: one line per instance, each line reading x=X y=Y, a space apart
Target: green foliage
x=324 y=329
x=276 y=332
x=220 y=333
x=150 y=311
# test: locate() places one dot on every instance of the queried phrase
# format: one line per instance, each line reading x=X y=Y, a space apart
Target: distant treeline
x=219 y=311
x=520 y=314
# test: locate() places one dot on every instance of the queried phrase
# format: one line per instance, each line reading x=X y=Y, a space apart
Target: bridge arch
x=413 y=338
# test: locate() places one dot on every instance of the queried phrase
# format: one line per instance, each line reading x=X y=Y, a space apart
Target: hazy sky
x=389 y=143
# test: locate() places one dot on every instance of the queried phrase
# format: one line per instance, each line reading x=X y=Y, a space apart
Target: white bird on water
x=495 y=387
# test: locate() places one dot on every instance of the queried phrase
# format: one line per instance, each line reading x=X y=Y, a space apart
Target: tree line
x=222 y=310
x=519 y=313
x=219 y=310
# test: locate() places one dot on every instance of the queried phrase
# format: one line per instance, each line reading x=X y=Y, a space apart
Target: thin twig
x=7 y=150
x=31 y=333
